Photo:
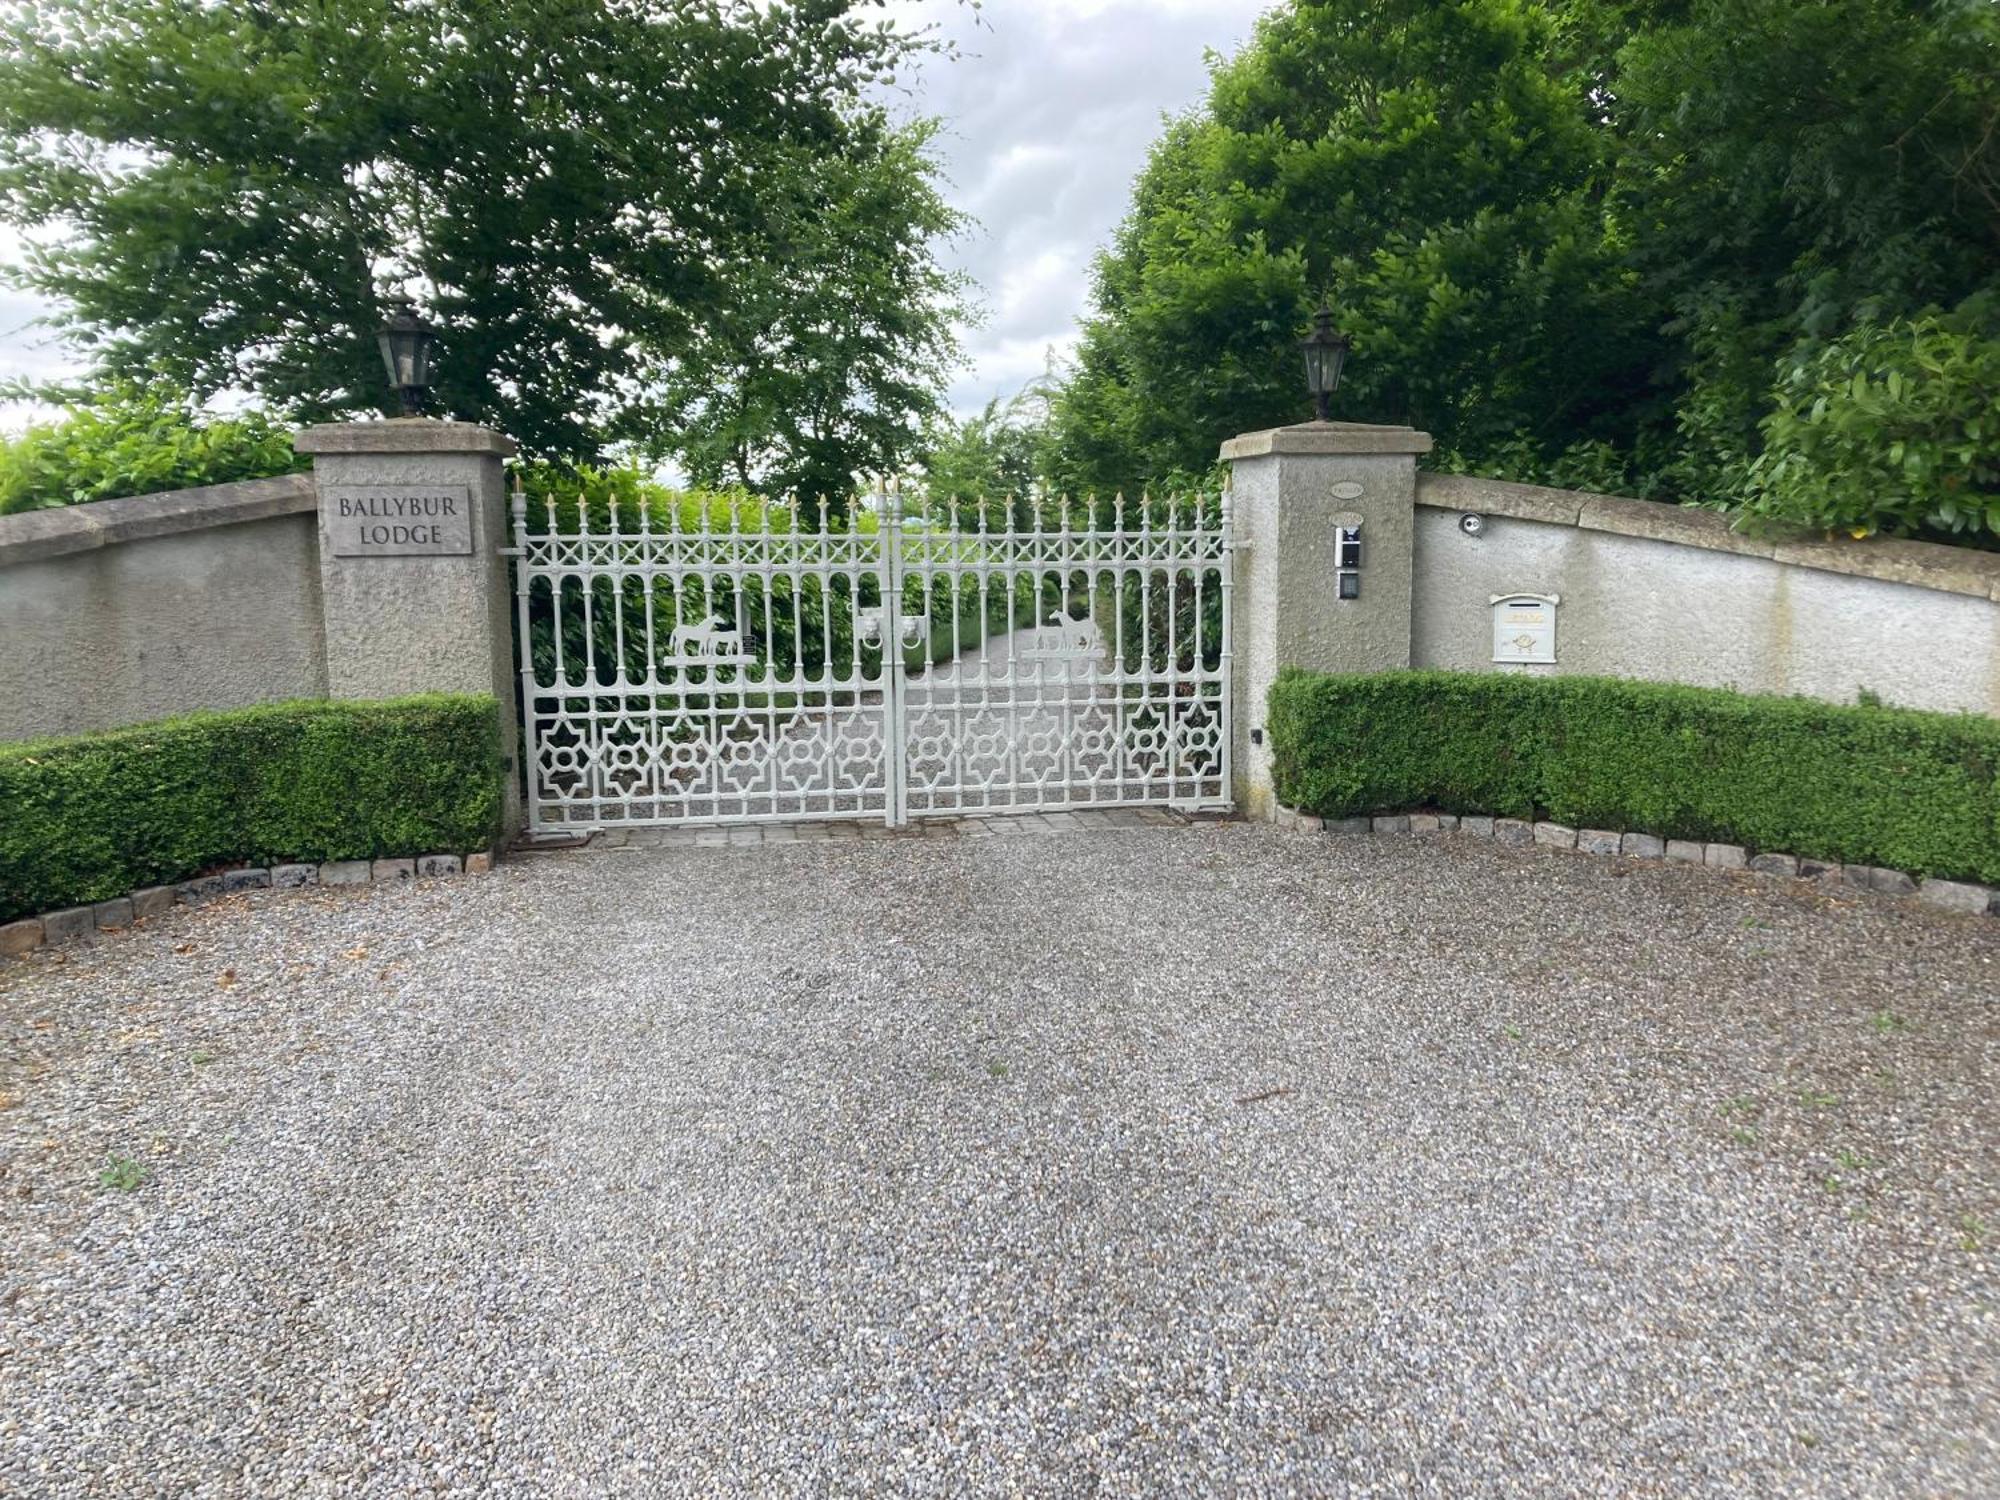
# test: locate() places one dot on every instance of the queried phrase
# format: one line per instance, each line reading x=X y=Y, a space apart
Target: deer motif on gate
x=1064 y=639
x=709 y=643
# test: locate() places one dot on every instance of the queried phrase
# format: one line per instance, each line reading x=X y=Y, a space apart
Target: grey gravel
x=1775 y=864
x=1596 y=841
x=1209 y=1160
x=1642 y=846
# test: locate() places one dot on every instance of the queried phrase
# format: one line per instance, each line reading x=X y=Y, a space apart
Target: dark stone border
x=1945 y=895
x=79 y=922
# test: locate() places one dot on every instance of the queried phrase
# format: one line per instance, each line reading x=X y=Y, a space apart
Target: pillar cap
x=1326 y=438
x=403 y=435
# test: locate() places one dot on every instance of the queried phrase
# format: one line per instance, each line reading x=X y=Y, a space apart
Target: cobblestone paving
x=1138 y=1161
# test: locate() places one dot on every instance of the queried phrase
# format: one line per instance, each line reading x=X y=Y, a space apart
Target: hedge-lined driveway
x=1141 y=1161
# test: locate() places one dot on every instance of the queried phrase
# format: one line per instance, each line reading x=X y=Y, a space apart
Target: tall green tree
x=832 y=353
x=1433 y=169
x=1791 y=171
x=593 y=199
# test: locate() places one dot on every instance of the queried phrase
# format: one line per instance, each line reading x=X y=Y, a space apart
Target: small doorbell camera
x=1472 y=525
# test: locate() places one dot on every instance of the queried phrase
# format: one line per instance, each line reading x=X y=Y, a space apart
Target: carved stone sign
x=398 y=520
x=1524 y=627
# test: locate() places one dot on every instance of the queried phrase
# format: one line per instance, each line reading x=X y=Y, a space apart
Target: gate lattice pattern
x=719 y=662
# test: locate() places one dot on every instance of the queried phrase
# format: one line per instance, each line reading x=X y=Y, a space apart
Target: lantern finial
x=408 y=345
x=1325 y=351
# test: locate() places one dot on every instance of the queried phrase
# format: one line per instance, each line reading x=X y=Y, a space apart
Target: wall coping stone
x=1326 y=437
x=36 y=534
x=1926 y=565
x=403 y=435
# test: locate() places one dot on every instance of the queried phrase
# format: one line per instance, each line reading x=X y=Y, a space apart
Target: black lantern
x=1326 y=352
x=408 y=344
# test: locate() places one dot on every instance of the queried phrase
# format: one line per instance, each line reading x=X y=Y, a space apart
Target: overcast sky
x=1048 y=112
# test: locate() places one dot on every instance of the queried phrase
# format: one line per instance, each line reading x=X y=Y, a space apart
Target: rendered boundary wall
x=124 y=611
x=1672 y=594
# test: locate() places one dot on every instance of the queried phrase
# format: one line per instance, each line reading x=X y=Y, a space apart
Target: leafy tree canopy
x=1425 y=167
x=614 y=210
x=1628 y=244
x=1789 y=172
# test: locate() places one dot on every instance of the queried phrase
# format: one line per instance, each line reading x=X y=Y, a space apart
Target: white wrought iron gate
x=727 y=662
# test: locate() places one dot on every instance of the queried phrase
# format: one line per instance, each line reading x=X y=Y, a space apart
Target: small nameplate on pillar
x=398 y=520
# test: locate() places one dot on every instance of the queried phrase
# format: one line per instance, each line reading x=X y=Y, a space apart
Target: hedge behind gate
x=94 y=816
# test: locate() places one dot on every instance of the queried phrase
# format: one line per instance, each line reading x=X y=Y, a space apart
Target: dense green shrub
x=93 y=816
x=1869 y=785
x=1894 y=428
x=137 y=441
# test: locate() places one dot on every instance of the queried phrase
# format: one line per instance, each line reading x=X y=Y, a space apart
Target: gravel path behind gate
x=1161 y=1161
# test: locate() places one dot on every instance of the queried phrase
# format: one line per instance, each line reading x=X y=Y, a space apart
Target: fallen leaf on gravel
x=358 y=952
x=226 y=978
x=185 y=948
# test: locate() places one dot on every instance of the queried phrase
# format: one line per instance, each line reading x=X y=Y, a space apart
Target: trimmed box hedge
x=1864 y=784
x=94 y=816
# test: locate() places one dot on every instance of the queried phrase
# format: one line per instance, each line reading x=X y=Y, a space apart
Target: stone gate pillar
x=412 y=514
x=1297 y=491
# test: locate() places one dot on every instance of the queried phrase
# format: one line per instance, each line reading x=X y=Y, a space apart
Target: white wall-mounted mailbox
x=1524 y=627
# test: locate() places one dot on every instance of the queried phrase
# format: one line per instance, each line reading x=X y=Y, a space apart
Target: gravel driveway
x=1163 y=1161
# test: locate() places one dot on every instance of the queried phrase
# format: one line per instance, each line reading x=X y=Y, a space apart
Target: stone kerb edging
x=1926 y=565
x=1945 y=895
x=78 y=922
